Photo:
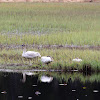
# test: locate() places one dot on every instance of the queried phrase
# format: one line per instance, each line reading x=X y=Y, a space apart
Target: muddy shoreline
x=51 y=47
x=22 y=67
x=25 y=67
x=46 y=1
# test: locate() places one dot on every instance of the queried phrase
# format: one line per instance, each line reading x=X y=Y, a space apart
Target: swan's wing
x=45 y=59
x=31 y=53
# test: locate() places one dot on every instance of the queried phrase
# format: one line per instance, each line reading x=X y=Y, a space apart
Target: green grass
x=50 y=23
x=72 y=38
x=62 y=58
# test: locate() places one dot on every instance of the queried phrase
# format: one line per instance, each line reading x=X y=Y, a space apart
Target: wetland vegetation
x=62 y=59
x=72 y=24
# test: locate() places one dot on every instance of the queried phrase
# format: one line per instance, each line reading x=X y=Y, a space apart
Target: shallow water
x=52 y=86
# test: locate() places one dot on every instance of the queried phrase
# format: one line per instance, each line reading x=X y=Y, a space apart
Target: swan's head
x=23 y=45
x=24 y=49
x=38 y=54
x=51 y=58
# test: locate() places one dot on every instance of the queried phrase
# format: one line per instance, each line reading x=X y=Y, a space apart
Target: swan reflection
x=28 y=74
x=46 y=79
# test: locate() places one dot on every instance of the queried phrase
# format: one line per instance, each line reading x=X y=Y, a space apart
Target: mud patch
x=51 y=46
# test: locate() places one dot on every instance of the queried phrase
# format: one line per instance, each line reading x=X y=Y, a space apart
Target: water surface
x=61 y=86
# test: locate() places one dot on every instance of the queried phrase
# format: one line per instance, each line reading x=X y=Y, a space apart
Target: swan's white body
x=46 y=59
x=77 y=60
x=30 y=54
x=46 y=79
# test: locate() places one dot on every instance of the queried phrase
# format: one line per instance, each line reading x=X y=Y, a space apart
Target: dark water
x=61 y=87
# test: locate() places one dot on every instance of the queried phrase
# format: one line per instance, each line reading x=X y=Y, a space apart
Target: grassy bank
x=50 y=23
x=72 y=38
x=62 y=59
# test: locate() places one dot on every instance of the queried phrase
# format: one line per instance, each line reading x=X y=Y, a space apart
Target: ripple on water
x=63 y=84
x=95 y=91
x=37 y=93
x=3 y=92
x=73 y=90
x=29 y=98
x=20 y=96
x=34 y=85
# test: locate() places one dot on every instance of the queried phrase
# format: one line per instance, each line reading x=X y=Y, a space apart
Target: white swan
x=77 y=60
x=46 y=79
x=30 y=54
x=46 y=59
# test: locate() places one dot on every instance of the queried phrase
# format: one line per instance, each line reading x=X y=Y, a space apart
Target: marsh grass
x=62 y=58
x=83 y=38
x=63 y=77
x=50 y=23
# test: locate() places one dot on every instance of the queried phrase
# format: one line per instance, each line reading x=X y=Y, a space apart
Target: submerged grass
x=62 y=59
x=64 y=78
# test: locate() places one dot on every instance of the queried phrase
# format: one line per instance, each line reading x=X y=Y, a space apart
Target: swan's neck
x=24 y=50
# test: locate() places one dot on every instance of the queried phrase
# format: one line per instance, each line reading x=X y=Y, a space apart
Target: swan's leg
x=26 y=60
x=48 y=64
x=35 y=60
x=30 y=63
